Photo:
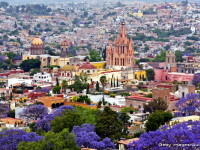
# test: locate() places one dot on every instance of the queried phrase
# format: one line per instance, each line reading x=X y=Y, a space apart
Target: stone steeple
x=121 y=53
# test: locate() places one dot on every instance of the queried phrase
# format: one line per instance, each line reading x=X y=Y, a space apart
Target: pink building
x=165 y=76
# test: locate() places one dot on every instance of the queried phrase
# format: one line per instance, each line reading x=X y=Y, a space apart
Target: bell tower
x=64 y=48
x=171 y=61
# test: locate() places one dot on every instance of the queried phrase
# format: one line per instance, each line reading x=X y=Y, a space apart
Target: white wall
x=13 y=81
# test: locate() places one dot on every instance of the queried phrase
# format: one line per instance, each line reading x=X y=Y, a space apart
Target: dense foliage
x=196 y=79
x=185 y=136
x=34 y=112
x=156 y=104
x=156 y=119
x=150 y=74
x=9 y=139
x=111 y=124
x=189 y=104
x=94 y=56
x=27 y=65
x=52 y=141
x=87 y=137
x=44 y=123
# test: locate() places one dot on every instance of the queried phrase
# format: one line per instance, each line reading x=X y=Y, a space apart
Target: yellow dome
x=37 y=41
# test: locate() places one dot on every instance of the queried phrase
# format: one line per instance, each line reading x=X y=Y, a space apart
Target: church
x=37 y=52
x=120 y=54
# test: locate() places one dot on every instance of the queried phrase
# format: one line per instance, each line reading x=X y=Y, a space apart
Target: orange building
x=52 y=102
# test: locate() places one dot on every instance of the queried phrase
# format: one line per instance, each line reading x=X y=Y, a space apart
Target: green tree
x=34 y=71
x=11 y=55
x=103 y=81
x=71 y=118
x=156 y=104
x=150 y=74
x=88 y=89
x=97 y=86
x=56 y=90
x=179 y=56
x=63 y=140
x=27 y=65
x=128 y=110
x=109 y=124
x=156 y=119
x=64 y=85
x=161 y=57
x=57 y=81
x=94 y=56
x=84 y=77
x=78 y=86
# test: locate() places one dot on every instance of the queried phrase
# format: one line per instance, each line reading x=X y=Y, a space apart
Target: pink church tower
x=120 y=54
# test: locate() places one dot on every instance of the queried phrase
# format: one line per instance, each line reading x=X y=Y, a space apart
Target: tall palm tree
x=103 y=81
x=64 y=85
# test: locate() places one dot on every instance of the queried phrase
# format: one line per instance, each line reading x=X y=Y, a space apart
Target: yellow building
x=140 y=75
x=37 y=52
x=99 y=65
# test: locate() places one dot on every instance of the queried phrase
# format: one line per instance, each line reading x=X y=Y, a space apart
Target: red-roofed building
x=136 y=101
x=87 y=68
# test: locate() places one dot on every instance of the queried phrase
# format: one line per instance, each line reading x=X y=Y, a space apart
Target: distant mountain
x=16 y=2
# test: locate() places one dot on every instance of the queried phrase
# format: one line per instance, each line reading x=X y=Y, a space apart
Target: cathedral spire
x=123 y=30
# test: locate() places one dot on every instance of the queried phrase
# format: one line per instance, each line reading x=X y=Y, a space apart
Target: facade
x=187 y=68
x=137 y=101
x=140 y=75
x=42 y=76
x=120 y=55
x=37 y=52
x=166 y=76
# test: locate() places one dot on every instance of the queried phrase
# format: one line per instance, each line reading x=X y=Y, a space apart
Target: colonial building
x=37 y=52
x=120 y=55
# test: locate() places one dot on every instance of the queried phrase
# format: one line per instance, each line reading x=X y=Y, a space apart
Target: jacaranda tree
x=184 y=135
x=34 y=112
x=44 y=123
x=4 y=109
x=52 y=141
x=189 y=104
x=87 y=137
x=196 y=79
x=9 y=139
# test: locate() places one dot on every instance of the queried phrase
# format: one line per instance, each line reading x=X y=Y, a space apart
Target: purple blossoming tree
x=196 y=79
x=9 y=139
x=45 y=90
x=2 y=58
x=44 y=124
x=185 y=136
x=87 y=137
x=4 y=109
x=189 y=104
x=34 y=112
x=17 y=58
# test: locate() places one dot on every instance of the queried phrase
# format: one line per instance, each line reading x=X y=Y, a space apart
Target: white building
x=42 y=76
x=13 y=81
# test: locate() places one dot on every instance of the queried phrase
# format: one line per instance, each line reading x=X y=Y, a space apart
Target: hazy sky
x=52 y=1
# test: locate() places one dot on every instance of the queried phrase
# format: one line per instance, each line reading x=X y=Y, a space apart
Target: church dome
x=37 y=41
x=87 y=65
